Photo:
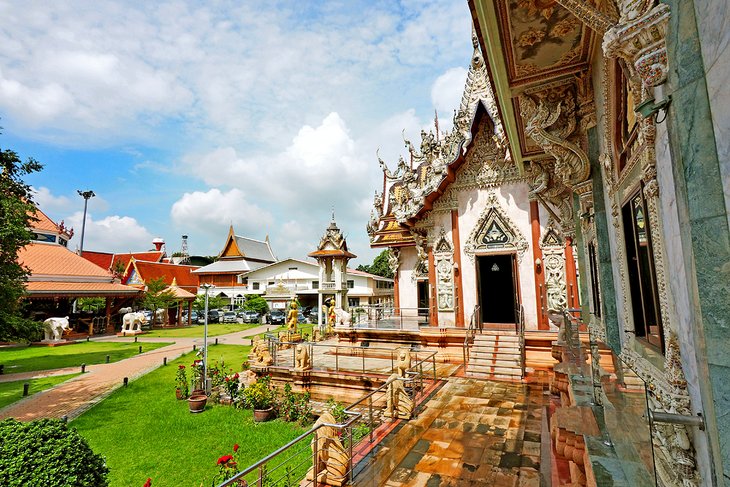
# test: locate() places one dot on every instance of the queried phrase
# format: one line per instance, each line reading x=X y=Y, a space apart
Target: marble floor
x=471 y=432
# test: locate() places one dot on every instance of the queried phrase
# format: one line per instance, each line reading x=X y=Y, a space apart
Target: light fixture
x=538 y=264
x=86 y=195
x=649 y=107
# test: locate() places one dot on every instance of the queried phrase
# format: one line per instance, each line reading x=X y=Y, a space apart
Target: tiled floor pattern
x=483 y=433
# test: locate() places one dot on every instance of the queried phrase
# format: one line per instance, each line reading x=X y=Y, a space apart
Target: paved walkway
x=77 y=395
x=472 y=432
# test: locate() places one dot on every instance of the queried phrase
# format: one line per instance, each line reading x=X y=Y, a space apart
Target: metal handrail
x=414 y=376
x=521 y=330
x=474 y=323
x=376 y=315
x=275 y=343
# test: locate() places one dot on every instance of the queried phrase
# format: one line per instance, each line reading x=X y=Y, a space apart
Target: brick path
x=77 y=395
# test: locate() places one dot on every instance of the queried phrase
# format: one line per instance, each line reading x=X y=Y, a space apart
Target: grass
x=196 y=331
x=26 y=359
x=11 y=392
x=158 y=437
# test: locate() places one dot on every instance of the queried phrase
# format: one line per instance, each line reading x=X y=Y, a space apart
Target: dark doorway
x=497 y=295
x=422 y=298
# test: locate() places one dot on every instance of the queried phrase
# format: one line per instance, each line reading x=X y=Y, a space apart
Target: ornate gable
x=495 y=231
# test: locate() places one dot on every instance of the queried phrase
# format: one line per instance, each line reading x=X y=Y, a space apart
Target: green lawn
x=196 y=331
x=143 y=431
x=26 y=359
x=11 y=392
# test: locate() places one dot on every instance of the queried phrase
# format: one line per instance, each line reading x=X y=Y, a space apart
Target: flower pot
x=179 y=394
x=196 y=403
x=197 y=392
x=261 y=415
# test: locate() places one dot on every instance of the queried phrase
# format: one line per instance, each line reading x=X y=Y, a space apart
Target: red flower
x=148 y=483
x=181 y=366
x=236 y=376
x=224 y=459
x=227 y=379
x=235 y=447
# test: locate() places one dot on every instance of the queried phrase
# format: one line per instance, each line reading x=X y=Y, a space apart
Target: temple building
x=59 y=277
x=239 y=255
x=586 y=172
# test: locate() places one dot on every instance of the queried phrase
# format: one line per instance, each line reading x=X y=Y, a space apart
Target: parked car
x=193 y=317
x=278 y=317
x=230 y=317
x=250 y=317
x=214 y=316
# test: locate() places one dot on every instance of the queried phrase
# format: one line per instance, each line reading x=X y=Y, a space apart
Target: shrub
x=337 y=409
x=259 y=395
x=295 y=407
x=48 y=453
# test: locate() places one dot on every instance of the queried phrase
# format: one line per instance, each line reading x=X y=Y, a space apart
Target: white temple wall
x=407 y=295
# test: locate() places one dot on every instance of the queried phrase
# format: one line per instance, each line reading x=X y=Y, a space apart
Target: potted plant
x=196 y=370
x=181 y=379
x=196 y=403
x=261 y=398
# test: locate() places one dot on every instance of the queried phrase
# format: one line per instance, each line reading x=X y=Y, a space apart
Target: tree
x=17 y=212
x=380 y=266
x=47 y=452
x=157 y=296
x=256 y=303
x=214 y=302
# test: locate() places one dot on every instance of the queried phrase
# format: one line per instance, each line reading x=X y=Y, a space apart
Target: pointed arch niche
x=495 y=231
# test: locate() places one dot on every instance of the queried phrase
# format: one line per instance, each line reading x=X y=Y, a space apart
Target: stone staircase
x=495 y=355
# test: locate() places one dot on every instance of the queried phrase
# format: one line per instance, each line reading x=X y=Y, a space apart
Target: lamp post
x=86 y=195
x=205 y=338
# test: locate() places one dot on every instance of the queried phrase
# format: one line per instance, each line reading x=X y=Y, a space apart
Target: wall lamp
x=649 y=107
x=538 y=264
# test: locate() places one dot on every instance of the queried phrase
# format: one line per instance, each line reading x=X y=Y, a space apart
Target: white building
x=281 y=281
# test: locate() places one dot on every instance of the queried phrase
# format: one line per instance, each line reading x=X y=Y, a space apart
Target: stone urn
x=196 y=403
x=261 y=415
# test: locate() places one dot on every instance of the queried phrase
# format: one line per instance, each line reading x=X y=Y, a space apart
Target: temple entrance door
x=497 y=288
x=422 y=290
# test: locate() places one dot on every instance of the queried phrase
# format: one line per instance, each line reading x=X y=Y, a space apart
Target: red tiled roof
x=102 y=259
x=43 y=223
x=182 y=274
x=50 y=259
x=75 y=289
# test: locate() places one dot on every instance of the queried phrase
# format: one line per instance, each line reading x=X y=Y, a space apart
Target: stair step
x=495 y=363
x=496 y=338
x=494 y=370
x=501 y=348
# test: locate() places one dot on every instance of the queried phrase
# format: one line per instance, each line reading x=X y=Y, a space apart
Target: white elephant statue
x=132 y=322
x=124 y=311
x=53 y=328
x=343 y=317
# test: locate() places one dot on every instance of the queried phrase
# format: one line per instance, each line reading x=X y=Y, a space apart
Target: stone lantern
x=332 y=256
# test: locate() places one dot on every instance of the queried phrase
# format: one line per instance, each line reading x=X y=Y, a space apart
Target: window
x=315 y=284
x=625 y=126
x=271 y=283
x=350 y=284
x=63 y=241
x=353 y=302
x=256 y=286
x=642 y=276
x=44 y=237
x=595 y=289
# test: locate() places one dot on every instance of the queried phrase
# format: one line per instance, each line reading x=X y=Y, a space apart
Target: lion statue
x=302 y=360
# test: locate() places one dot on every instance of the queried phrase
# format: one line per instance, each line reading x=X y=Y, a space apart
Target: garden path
x=77 y=395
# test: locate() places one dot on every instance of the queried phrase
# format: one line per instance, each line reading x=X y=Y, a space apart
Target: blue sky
x=185 y=117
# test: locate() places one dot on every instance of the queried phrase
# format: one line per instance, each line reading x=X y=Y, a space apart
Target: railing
x=366 y=355
x=296 y=463
x=475 y=323
x=381 y=317
x=329 y=286
x=520 y=323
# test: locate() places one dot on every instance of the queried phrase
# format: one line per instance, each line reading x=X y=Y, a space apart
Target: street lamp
x=205 y=338
x=86 y=195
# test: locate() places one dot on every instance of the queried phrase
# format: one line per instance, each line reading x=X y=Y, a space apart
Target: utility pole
x=86 y=195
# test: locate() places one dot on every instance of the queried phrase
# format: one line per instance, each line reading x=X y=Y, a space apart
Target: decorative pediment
x=552 y=237
x=495 y=231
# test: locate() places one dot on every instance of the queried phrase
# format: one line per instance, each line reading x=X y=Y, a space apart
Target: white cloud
x=110 y=234
x=446 y=94
x=207 y=216
x=49 y=203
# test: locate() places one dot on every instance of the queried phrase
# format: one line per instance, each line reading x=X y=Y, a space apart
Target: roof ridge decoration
x=406 y=188
x=495 y=231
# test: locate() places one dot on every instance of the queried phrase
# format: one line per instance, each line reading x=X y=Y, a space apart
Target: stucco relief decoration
x=495 y=231
x=546 y=188
x=550 y=117
x=443 y=253
x=393 y=260
x=640 y=39
x=414 y=180
x=552 y=245
x=674 y=453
